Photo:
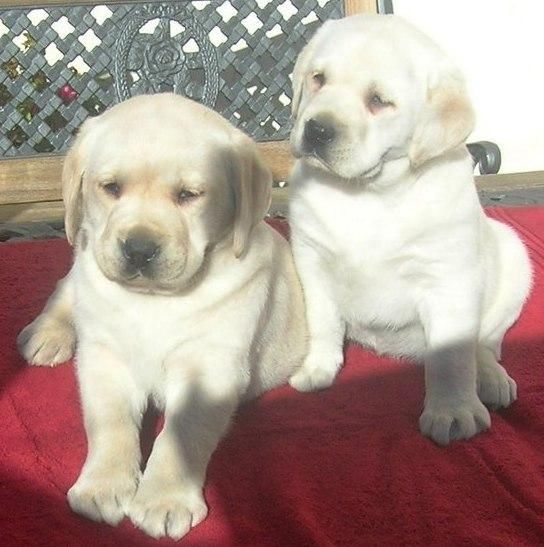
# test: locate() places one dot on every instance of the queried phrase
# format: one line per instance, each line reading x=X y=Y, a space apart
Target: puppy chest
x=373 y=293
x=160 y=342
x=376 y=274
x=141 y=337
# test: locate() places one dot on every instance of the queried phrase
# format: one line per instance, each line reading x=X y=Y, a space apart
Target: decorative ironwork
x=61 y=64
x=167 y=59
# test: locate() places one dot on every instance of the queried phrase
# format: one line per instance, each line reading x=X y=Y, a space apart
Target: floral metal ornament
x=162 y=60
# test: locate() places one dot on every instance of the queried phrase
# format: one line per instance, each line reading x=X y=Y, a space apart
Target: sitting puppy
x=390 y=241
x=179 y=293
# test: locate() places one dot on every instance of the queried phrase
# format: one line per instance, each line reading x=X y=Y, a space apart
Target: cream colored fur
x=220 y=320
x=390 y=241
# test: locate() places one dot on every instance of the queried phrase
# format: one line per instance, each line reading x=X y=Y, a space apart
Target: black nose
x=318 y=133
x=140 y=251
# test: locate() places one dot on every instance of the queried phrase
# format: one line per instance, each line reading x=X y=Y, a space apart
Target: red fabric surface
x=346 y=466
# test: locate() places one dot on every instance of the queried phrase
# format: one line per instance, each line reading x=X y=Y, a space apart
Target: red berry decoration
x=67 y=94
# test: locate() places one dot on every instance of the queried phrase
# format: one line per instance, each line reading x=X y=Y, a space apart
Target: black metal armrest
x=486 y=155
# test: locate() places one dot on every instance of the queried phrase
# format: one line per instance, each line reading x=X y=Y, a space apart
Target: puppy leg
x=112 y=412
x=169 y=500
x=452 y=410
x=325 y=326
x=50 y=339
x=495 y=387
x=511 y=261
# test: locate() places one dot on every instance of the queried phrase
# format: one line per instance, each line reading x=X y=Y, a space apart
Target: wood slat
x=37 y=179
x=278 y=157
x=24 y=180
x=54 y=210
x=352 y=7
x=510 y=181
x=48 y=211
x=34 y=179
x=45 y=211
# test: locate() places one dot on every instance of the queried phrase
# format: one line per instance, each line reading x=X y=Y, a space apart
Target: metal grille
x=59 y=65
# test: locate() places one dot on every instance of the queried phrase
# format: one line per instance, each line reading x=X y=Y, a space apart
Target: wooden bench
x=30 y=187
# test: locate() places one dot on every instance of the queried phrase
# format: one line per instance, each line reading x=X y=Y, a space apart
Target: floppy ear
x=72 y=178
x=299 y=70
x=446 y=119
x=252 y=184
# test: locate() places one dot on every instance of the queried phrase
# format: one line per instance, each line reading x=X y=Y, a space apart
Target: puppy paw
x=103 y=497
x=47 y=341
x=317 y=372
x=166 y=511
x=495 y=388
x=446 y=421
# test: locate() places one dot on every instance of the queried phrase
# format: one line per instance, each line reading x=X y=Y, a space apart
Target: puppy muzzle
x=140 y=252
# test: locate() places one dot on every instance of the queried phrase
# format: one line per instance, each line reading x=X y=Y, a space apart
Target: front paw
x=318 y=371
x=163 y=510
x=445 y=421
x=104 y=496
x=47 y=341
x=495 y=388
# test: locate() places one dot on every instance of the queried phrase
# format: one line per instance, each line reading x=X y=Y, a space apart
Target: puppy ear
x=252 y=184
x=299 y=73
x=72 y=178
x=446 y=119
x=301 y=66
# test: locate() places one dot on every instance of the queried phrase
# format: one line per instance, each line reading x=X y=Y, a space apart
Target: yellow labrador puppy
x=179 y=294
x=390 y=241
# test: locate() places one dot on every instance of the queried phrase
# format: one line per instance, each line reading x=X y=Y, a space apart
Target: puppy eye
x=113 y=189
x=187 y=195
x=377 y=103
x=318 y=80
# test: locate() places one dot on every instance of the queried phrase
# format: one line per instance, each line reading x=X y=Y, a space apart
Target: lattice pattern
x=58 y=65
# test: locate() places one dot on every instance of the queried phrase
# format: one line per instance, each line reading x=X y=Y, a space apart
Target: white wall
x=499 y=44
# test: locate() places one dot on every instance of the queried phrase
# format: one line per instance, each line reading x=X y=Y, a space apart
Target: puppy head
x=155 y=184
x=370 y=89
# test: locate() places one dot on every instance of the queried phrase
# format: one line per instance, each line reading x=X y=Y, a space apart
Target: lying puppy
x=179 y=293
x=390 y=241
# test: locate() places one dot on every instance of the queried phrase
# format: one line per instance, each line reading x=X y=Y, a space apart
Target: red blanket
x=346 y=466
